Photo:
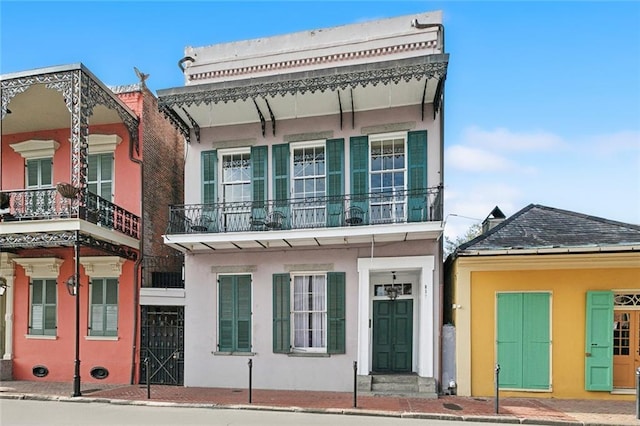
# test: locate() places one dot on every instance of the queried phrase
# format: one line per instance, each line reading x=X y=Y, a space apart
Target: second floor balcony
x=48 y=204
x=261 y=223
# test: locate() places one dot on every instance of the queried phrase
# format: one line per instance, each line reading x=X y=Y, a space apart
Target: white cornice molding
x=40 y=267
x=35 y=148
x=103 y=144
x=102 y=266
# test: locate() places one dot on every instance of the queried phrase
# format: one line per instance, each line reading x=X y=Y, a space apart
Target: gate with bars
x=162 y=342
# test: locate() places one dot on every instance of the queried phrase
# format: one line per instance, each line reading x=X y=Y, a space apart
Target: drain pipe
x=136 y=267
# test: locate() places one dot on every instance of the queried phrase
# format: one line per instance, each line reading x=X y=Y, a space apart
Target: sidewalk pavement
x=511 y=410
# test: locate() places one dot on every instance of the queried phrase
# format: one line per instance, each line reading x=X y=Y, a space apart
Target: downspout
x=417 y=25
x=136 y=267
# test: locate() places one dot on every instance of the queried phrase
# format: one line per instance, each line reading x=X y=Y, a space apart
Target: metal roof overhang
x=304 y=238
x=41 y=99
x=353 y=88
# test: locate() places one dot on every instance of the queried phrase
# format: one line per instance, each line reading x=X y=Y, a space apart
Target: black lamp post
x=73 y=287
x=70 y=192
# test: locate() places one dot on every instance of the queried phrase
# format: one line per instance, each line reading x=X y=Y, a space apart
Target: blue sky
x=542 y=98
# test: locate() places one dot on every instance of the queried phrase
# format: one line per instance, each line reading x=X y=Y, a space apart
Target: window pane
x=112 y=292
x=37 y=320
x=92 y=164
x=106 y=166
x=97 y=319
x=37 y=292
x=112 y=318
x=50 y=317
x=50 y=295
x=45 y=164
x=97 y=291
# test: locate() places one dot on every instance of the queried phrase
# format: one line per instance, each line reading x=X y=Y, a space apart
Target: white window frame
x=318 y=215
x=308 y=349
x=103 y=332
x=396 y=199
x=99 y=180
x=44 y=304
x=240 y=216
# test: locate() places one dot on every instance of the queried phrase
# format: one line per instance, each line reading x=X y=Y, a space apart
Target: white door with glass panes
x=387 y=179
x=308 y=192
x=236 y=190
x=39 y=177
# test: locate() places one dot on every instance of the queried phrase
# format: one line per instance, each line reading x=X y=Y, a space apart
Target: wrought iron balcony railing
x=306 y=213
x=47 y=204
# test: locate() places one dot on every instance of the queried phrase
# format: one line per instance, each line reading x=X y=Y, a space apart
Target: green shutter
x=599 y=338
x=536 y=341
x=225 y=313
x=259 y=183
x=47 y=168
x=243 y=313
x=509 y=339
x=281 y=181
x=359 y=156
x=209 y=162
x=281 y=313
x=336 y=312
x=335 y=181
x=417 y=175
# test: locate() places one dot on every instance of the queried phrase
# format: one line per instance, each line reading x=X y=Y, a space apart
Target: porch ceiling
x=36 y=101
x=308 y=94
x=304 y=238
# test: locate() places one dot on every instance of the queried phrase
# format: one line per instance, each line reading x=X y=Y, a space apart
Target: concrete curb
x=344 y=411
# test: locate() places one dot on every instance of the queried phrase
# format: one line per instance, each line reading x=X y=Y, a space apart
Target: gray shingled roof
x=536 y=227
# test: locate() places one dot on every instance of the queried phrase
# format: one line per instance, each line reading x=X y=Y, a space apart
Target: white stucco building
x=312 y=221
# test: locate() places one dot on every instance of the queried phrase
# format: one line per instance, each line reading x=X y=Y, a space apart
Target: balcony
x=48 y=204
x=307 y=221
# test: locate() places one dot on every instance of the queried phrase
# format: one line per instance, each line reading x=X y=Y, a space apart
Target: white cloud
x=613 y=143
x=505 y=140
x=476 y=160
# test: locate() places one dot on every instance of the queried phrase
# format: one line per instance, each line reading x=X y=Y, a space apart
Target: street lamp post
x=73 y=286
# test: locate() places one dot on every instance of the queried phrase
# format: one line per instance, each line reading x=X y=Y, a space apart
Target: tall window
x=100 y=175
x=39 y=176
x=104 y=307
x=309 y=184
x=43 y=308
x=388 y=167
x=309 y=312
x=234 y=313
x=236 y=190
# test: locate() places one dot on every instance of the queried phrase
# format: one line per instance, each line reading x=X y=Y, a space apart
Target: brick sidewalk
x=512 y=410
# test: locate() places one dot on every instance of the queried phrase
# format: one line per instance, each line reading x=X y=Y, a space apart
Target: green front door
x=392 y=336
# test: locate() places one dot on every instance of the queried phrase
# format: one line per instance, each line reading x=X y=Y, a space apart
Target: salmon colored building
x=75 y=230
x=552 y=297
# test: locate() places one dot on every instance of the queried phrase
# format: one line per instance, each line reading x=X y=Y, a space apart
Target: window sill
x=309 y=354
x=40 y=337
x=107 y=338
x=217 y=353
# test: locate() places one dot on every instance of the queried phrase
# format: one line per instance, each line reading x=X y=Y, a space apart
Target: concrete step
x=401 y=385
x=394 y=387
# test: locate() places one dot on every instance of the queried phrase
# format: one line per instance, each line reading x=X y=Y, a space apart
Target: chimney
x=495 y=217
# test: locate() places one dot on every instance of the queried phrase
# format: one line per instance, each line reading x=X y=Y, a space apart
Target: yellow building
x=553 y=298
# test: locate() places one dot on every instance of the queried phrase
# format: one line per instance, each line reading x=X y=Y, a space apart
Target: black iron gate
x=162 y=342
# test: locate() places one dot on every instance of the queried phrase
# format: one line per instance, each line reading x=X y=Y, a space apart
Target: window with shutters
x=43 y=307
x=234 y=313
x=104 y=307
x=387 y=178
x=308 y=184
x=309 y=313
x=100 y=175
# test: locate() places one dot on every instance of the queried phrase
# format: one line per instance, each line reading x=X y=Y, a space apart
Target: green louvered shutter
x=599 y=339
x=259 y=183
x=243 y=313
x=359 y=159
x=336 y=312
x=509 y=339
x=417 y=175
x=536 y=342
x=225 y=313
x=209 y=162
x=281 y=313
x=335 y=181
x=281 y=180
